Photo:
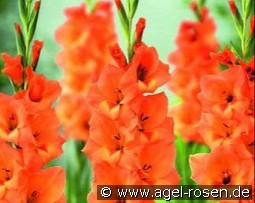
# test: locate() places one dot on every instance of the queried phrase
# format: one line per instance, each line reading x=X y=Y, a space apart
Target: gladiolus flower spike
x=226 y=124
x=29 y=128
x=127 y=125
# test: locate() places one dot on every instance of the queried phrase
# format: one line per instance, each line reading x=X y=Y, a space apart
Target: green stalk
x=201 y=3
x=90 y=5
x=243 y=37
x=78 y=173
x=242 y=28
x=182 y=164
x=126 y=19
x=197 y=12
x=129 y=45
x=29 y=18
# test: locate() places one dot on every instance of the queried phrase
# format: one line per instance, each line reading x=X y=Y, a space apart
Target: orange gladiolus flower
x=127 y=125
x=41 y=93
x=223 y=166
x=186 y=116
x=179 y=81
x=199 y=37
x=85 y=38
x=29 y=134
x=47 y=141
x=226 y=57
x=46 y=186
x=74 y=113
x=217 y=130
x=29 y=131
x=104 y=173
x=13 y=68
x=107 y=95
x=195 y=42
x=146 y=72
x=11 y=181
x=13 y=122
x=111 y=142
x=220 y=92
x=249 y=68
x=148 y=113
x=76 y=34
x=228 y=106
x=42 y=90
x=155 y=169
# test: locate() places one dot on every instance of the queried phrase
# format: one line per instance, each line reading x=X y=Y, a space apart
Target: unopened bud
x=37 y=6
x=140 y=25
x=252 y=26
x=118 y=4
x=17 y=28
x=193 y=6
x=19 y=39
x=225 y=57
x=232 y=6
x=36 y=50
x=118 y=55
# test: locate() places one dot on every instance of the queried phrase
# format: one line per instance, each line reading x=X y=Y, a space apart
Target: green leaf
x=20 y=42
x=235 y=50
x=249 y=8
x=32 y=25
x=201 y=3
x=78 y=173
x=23 y=11
x=134 y=8
x=182 y=164
x=184 y=150
x=124 y=21
x=90 y=5
x=251 y=46
x=238 y=25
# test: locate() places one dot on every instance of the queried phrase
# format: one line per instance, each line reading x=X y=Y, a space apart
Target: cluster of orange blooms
x=29 y=135
x=129 y=126
x=195 y=41
x=85 y=37
x=227 y=124
x=217 y=107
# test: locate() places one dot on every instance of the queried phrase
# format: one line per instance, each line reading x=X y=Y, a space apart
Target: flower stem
x=241 y=21
x=126 y=19
x=243 y=37
x=90 y=5
x=29 y=13
x=129 y=45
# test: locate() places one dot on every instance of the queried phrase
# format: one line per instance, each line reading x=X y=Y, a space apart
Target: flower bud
x=37 y=6
x=118 y=55
x=232 y=6
x=193 y=6
x=36 y=50
x=118 y=4
x=17 y=28
x=252 y=27
x=139 y=29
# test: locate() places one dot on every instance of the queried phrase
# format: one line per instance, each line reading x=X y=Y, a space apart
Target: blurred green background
x=163 y=19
